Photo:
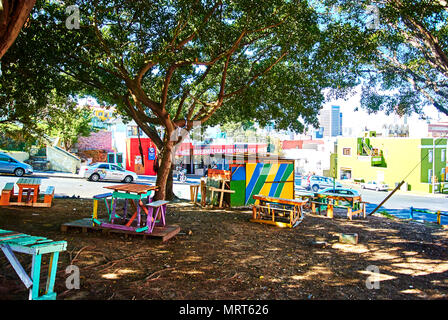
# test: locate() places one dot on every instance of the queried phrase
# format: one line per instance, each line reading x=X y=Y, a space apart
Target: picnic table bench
x=329 y=201
x=140 y=216
x=11 y=242
x=277 y=211
x=28 y=194
x=133 y=195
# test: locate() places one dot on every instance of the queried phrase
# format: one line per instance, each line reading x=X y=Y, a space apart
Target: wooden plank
x=10 y=233
x=135 y=188
x=157 y=204
x=8 y=186
x=102 y=196
x=280 y=200
x=221 y=190
x=161 y=233
x=16 y=265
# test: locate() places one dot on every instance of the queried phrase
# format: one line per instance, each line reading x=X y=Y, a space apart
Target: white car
x=107 y=171
x=373 y=185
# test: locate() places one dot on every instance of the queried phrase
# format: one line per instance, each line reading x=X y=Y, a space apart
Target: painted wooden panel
x=269 y=179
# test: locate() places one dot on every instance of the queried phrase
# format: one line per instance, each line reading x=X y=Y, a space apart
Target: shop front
x=196 y=158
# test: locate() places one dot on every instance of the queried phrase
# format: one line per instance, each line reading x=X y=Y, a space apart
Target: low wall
x=61 y=160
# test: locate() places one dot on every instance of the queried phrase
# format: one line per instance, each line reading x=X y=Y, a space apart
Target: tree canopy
x=406 y=67
x=173 y=64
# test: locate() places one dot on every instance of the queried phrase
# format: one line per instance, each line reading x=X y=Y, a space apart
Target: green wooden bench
x=11 y=242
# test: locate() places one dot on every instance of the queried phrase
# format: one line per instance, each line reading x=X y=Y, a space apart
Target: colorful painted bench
x=7 y=192
x=11 y=242
x=96 y=198
x=156 y=214
x=48 y=196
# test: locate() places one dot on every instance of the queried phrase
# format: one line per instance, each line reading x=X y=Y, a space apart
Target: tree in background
x=61 y=118
x=173 y=64
x=68 y=121
x=406 y=67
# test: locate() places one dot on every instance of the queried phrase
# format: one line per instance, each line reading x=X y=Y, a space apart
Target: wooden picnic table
x=151 y=224
x=272 y=210
x=133 y=194
x=32 y=185
x=354 y=203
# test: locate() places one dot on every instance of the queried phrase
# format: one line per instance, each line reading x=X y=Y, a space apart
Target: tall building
x=331 y=121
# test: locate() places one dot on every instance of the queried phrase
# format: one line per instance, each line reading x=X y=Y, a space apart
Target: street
x=75 y=187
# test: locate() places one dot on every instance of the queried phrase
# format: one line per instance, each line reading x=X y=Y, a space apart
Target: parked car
x=319 y=182
x=373 y=185
x=341 y=191
x=107 y=171
x=10 y=165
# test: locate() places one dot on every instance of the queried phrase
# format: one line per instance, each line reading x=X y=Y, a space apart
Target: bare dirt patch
x=219 y=254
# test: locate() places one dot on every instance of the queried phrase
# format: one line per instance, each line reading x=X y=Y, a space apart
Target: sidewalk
x=58 y=174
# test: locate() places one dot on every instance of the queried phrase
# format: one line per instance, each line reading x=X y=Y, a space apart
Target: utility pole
x=433 y=164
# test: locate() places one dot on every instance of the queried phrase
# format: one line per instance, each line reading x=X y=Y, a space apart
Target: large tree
x=173 y=64
x=407 y=67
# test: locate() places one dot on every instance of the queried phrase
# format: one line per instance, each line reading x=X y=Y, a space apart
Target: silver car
x=319 y=182
x=107 y=171
x=10 y=165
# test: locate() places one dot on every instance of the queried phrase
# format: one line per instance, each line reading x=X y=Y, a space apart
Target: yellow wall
x=401 y=155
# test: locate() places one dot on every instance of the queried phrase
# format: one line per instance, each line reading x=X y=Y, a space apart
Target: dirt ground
x=219 y=254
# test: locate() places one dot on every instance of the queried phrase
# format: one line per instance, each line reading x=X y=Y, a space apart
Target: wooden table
x=133 y=194
x=273 y=210
x=353 y=203
x=31 y=185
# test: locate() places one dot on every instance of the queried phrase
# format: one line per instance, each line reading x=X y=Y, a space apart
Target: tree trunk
x=165 y=174
x=13 y=14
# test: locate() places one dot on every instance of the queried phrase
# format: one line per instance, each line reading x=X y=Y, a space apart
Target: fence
x=439 y=213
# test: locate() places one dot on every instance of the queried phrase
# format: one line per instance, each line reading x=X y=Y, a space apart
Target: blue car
x=10 y=165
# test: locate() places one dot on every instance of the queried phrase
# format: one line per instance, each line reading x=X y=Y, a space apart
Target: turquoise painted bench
x=49 y=191
x=11 y=242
